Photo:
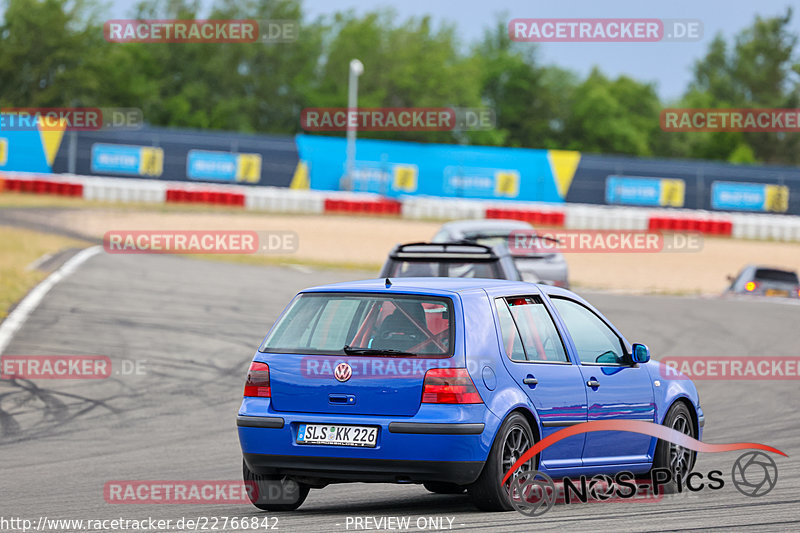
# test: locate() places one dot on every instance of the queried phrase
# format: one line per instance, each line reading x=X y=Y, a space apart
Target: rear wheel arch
x=529 y=415
x=534 y=423
x=514 y=437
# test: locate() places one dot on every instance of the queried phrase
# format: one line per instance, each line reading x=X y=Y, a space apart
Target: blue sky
x=668 y=65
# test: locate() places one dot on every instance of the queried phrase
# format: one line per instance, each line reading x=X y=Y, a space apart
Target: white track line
x=20 y=314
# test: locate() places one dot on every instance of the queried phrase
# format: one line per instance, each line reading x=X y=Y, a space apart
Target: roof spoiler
x=461 y=249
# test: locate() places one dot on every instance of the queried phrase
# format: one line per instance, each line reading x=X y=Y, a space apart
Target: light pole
x=356 y=69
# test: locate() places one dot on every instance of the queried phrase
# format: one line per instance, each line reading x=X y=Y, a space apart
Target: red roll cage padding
x=372 y=317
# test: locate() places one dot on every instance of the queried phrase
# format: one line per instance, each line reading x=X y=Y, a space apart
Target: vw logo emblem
x=754 y=474
x=343 y=372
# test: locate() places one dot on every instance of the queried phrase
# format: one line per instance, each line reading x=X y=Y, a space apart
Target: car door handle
x=530 y=381
x=593 y=383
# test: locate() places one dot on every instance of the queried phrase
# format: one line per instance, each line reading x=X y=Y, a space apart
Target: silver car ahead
x=546 y=267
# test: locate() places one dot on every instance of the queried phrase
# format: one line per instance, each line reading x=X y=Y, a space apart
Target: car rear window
x=324 y=323
x=771 y=274
x=444 y=269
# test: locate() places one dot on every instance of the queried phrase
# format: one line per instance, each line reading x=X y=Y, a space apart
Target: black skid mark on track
x=57 y=410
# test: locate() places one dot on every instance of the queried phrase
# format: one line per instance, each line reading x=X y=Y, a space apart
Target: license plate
x=337 y=435
x=776 y=292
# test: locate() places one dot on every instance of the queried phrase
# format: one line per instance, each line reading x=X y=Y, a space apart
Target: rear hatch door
x=391 y=339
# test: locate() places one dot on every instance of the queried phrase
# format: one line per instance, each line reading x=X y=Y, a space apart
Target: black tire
x=487 y=493
x=677 y=459
x=441 y=487
x=274 y=493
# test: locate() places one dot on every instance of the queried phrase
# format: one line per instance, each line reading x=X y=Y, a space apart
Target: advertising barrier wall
x=393 y=169
x=483 y=172
x=180 y=155
x=618 y=180
x=27 y=148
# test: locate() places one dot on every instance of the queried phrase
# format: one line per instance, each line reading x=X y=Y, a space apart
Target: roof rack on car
x=460 y=250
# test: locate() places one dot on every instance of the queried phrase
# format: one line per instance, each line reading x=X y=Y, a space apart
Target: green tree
x=760 y=69
x=531 y=102
x=613 y=116
x=45 y=45
x=410 y=64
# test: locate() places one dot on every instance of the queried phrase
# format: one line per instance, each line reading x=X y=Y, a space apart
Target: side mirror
x=641 y=353
x=730 y=278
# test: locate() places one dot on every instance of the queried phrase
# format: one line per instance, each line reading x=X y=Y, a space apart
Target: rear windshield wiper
x=373 y=351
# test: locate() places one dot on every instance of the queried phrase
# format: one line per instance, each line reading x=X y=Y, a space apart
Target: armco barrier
x=371 y=206
x=709 y=226
x=183 y=196
x=124 y=190
x=427 y=207
x=284 y=200
x=41 y=186
x=535 y=217
x=595 y=217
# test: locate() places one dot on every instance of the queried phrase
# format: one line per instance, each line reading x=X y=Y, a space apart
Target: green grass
x=18 y=249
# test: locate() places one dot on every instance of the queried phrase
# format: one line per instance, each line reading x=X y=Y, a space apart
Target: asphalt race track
x=193 y=327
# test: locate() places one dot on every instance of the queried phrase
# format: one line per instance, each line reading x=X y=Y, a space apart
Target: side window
x=594 y=340
x=539 y=334
x=511 y=339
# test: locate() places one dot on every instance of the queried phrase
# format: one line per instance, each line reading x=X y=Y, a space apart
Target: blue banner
x=223 y=166
x=24 y=147
x=216 y=166
x=393 y=168
x=635 y=190
x=124 y=159
x=738 y=196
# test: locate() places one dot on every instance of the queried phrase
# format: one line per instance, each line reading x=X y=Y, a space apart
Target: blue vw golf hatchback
x=447 y=382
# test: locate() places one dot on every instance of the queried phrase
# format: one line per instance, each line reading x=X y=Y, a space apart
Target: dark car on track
x=448 y=382
x=765 y=281
x=450 y=260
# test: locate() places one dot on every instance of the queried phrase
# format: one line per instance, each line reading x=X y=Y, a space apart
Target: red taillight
x=257 y=384
x=449 y=385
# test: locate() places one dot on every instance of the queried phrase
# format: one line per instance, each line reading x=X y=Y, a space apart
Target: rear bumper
x=415 y=428
x=377 y=470
x=439 y=443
